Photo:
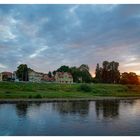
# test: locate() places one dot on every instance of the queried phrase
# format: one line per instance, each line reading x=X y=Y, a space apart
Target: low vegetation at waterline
x=9 y=90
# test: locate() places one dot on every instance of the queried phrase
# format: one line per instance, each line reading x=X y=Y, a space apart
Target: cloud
x=2 y=66
x=75 y=34
x=37 y=52
x=131 y=64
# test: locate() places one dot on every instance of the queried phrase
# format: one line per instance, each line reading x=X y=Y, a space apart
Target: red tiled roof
x=47 y=78
x=61 y=74
x=7 y=73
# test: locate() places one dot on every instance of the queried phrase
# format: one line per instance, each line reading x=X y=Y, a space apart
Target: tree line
x=107 y=73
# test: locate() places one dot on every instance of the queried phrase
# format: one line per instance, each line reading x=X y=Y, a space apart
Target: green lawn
x=12 y=90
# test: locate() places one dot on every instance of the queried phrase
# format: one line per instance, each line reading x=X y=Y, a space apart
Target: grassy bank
x=43 y=90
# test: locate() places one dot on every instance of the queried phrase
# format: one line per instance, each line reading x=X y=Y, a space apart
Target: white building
x=0 y=76
x=34 y=76
x=63 y=77
x=14 y=77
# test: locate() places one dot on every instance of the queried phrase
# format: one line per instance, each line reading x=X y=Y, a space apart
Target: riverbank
x=65 y=99
x=53 y=91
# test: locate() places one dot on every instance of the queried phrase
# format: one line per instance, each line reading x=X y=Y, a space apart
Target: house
x=14 y=77
x=6 y=76
x=63 y=77
x=0 y=76
x=34 y=76
x=46 y=78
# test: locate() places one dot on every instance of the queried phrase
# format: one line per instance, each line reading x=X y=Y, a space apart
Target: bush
x=85 y=88
x=7 y=92
x=38 y=96
x=30 y=96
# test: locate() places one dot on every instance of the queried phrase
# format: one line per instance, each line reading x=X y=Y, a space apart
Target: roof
x=38 y=73
x=47 y=78
x=61 y=74
x=7 y=73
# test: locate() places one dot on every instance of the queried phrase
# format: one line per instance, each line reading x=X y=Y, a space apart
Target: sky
x=47 y=36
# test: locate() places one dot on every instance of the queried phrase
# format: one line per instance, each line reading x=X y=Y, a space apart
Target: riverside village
x=108 y=73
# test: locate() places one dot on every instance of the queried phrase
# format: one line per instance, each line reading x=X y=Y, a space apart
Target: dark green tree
x=76 y=73
x=85 y=74
x=50 y=74
x=109 y=73
x=114 y=74
x=105 y=74
x=63 y=69
x=98 y=74
x=84 y=67
x=22 y=72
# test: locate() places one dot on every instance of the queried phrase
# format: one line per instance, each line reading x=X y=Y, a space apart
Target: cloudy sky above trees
x=48 y=36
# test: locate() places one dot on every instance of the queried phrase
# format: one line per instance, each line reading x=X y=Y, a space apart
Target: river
x=73 y=118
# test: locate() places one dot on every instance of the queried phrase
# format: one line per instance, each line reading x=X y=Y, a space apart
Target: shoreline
x=64 y=99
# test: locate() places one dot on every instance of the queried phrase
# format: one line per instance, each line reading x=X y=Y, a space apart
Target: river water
x=75 y=118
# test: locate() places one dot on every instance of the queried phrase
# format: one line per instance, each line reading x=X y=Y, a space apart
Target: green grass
x=12 y=90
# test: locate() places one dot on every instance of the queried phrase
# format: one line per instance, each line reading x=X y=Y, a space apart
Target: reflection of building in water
x=107 y=108
x=81 y=108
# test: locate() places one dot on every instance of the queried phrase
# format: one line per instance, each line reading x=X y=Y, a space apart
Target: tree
x=22 y=72
x=108 y=73
x=63 y=69
x=105 y=74
x=98 y=74
x=54 y=72
x=76 y=74
x=129 y=78
x=85 y=74
x=114 y=74
x=50 y=74
x=84 y=67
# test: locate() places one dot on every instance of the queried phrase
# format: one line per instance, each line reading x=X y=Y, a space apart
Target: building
x=46 y=78
x=0 y=76
x=14 y=77
x=34 y=76
x=6 y=76
x=63 y=77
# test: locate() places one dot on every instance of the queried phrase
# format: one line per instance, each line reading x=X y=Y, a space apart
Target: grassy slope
x=36 y=90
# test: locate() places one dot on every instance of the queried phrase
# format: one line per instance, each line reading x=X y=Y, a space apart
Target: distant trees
x=63 y=69
x=22 y=72
x=108 y=73
x=129 y=78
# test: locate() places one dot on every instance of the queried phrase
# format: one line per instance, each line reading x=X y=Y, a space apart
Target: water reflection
x=97 y=118
x=128 y=102
x=21 y=109
x=65 y=108
x=107 y=108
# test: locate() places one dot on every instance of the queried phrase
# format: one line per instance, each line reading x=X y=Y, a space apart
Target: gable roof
x=61 y=74
x=7 y=73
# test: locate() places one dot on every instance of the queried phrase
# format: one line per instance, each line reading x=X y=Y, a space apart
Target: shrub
x=38 y=96
x=30 y=96
x=85 y=88
x=7 y=92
